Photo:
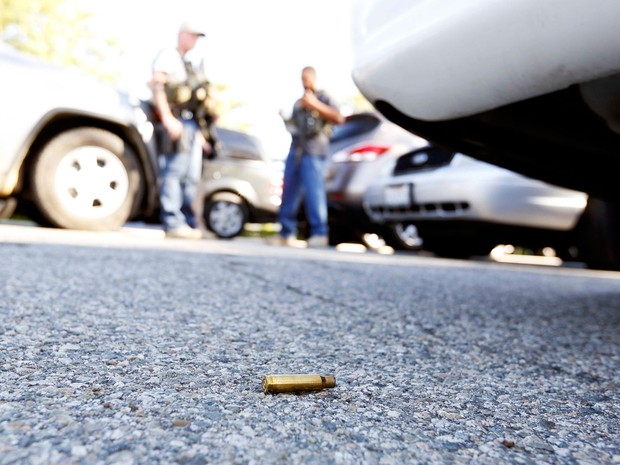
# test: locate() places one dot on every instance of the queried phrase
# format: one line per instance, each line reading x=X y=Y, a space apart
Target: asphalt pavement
x=127 y=348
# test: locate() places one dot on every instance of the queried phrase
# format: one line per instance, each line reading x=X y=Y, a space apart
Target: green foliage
x=57 y=31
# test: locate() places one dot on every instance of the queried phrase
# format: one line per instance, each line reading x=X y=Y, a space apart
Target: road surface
x=127 y=348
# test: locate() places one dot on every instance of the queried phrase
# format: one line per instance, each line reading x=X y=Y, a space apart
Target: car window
x=428 y=157
x=239 y=145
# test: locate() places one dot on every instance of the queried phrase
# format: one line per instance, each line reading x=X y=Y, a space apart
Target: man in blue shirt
x=304 y=174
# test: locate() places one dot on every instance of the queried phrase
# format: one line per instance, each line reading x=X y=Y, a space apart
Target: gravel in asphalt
x=117 y=356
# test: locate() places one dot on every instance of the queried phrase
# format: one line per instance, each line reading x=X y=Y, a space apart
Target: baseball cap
x=192 y=28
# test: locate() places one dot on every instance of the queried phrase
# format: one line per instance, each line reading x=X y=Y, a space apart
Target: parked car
x=243 y=184
x=74 y=152
x=360 y=150
x=460 y=206
x=532 y=86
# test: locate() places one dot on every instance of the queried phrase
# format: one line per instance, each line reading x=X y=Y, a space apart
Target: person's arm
x=331 y=114
x=172 y=124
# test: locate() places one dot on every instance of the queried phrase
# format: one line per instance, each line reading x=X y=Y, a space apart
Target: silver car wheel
x=408 y=234
x=86 y=178
x=401 y=236
x=226 y=218
x=91 y=182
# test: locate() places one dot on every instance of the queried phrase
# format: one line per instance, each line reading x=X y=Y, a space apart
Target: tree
x=58 y=32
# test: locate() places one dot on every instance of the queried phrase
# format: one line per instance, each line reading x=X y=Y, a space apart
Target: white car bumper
x=474 y=191
x=479 y=54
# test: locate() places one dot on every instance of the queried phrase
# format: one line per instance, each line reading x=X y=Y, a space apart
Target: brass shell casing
x=273 y=384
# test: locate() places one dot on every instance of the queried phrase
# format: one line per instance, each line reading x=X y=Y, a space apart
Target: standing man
x=304 y=173
x=179 y=91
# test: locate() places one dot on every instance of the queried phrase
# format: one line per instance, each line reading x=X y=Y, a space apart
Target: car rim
x=92 y=182
x=226 y=219
x=408 y=234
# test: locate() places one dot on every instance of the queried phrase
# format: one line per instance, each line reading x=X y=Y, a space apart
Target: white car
x=460 y=206
x=243 y=184
x=359 y=151
x=75 y=152
x=533 y=86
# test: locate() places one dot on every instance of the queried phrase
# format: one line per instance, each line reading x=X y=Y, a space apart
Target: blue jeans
x=304 y=178
x=180 y=173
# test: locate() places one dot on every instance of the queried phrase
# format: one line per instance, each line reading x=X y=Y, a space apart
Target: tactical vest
x=192 y=96
x=309 y=123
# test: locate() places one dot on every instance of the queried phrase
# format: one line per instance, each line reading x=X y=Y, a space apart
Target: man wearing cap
x=177 y=94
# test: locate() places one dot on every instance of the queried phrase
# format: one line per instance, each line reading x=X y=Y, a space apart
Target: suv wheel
x=225 y=214
x=86 y=178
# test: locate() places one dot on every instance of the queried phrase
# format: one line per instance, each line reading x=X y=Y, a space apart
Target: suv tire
x=86 y=178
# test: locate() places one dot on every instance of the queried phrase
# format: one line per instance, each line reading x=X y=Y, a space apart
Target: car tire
x=86 y=178
x=598 y=235
x=225 y=214
x=401 y=236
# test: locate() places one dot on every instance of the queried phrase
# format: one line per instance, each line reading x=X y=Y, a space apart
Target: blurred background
x=253 y=51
